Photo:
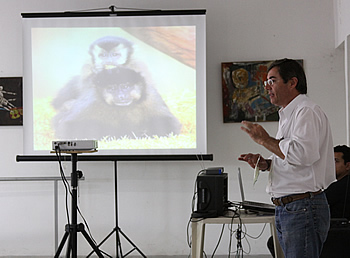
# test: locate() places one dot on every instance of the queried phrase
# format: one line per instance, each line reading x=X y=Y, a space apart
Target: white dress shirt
x=306 y=142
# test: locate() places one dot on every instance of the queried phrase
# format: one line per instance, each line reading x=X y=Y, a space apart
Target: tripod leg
x=60 y=247
x=104 y=240
x=119 y=245
x=69 y=247
x=125 y=236
x=92 y=244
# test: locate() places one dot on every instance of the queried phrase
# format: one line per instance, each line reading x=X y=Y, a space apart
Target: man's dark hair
x=289 y=68
x=345 y=150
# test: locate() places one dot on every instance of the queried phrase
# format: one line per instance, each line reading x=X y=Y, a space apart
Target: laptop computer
x=251 y=205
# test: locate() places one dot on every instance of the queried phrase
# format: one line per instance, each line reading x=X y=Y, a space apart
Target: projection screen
x=134 y=81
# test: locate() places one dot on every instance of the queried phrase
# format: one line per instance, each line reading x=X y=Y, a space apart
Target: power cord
x=193 y=204
x=240 y=233
x=64 y=180
x=219 y=240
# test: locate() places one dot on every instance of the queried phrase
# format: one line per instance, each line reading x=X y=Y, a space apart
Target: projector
x=75 y=145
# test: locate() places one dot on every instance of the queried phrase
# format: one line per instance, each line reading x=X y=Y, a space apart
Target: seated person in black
x=338 y=196
x=338 y=193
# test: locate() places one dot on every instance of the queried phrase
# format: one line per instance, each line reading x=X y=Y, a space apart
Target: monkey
x=121 y=104
x=110 y=52
x=105 y=53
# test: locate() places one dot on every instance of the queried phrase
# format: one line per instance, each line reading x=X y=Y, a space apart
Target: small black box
x=212 y=194
x=214 y=171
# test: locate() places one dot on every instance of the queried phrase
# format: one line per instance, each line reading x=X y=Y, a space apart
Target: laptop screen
x=241 y=184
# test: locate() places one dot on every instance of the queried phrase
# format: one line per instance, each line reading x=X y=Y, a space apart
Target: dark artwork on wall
x=11 y=101
x=244 y=95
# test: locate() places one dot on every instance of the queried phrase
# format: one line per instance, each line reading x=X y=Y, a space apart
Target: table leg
x=198 y=231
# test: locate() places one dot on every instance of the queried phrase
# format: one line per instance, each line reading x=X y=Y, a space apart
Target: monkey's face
x=109 y=58
x=123 y=94
x=119 y=87
x=110 y=52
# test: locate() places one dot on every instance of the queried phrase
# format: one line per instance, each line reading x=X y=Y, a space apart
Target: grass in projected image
x=182 y=106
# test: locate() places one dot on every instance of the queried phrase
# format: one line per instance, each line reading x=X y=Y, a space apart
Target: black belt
x=294 y=197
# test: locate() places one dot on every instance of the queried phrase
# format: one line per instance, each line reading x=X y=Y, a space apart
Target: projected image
x=129 y=88
x=131 y=108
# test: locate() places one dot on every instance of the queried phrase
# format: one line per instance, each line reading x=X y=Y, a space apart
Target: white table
x=198 y=229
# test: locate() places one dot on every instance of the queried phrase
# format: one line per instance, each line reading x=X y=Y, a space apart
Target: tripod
x=73 y=228
x=117 y=229
x=201 y=157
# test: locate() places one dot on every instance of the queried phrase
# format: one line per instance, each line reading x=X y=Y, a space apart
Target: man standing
x=302 y=161
x=338 y=197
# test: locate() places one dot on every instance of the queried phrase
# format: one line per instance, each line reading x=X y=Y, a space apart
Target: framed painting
x=11 y=101
x=244 y=95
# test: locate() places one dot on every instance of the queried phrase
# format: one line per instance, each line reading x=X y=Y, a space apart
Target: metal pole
x=56 y=212
x=116 y=208
x=74 y=182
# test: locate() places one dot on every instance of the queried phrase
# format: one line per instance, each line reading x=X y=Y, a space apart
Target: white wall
x=342 y=20
x=155 y=197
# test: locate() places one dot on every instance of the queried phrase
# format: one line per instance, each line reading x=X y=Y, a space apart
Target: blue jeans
x=302 y=226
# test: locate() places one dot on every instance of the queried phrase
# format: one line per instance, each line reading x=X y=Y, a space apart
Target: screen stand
x=73 y=228
x=115 y=158
x=117 y=230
